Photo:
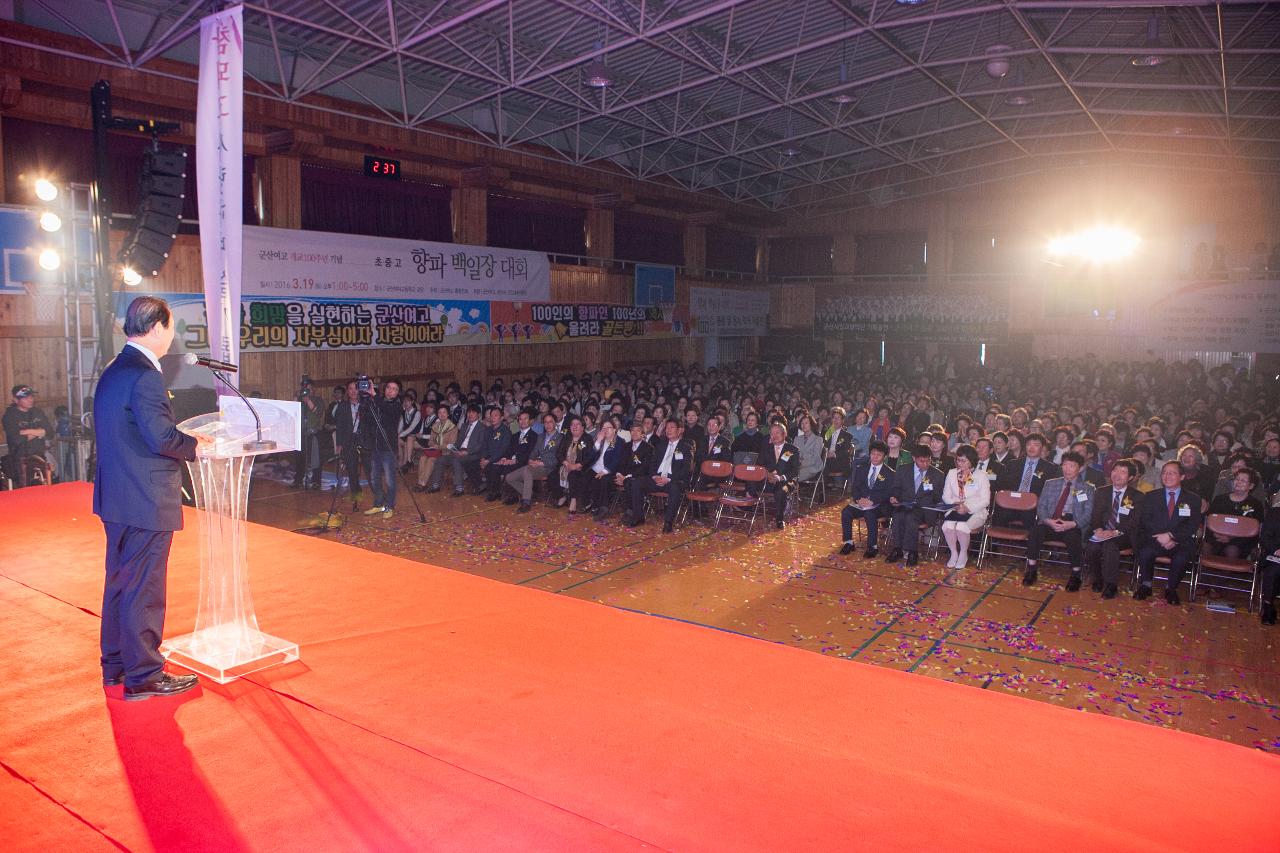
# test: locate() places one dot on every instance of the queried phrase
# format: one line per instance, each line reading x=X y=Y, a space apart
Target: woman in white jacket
x=972 y=497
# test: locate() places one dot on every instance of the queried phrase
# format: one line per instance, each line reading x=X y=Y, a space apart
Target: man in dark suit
x=1088 y=450
x=837 y=447
x=1114 y=526
x=1170 y=519
x=137 y=494
x=523 y=442
x=465 y=449
x=781 y=461
x=714 y=447
x=669 y=470
x=352 y=436
x=873 y=481
x=987 y=464
x=495 y=441
x=916 y=487
x=1028 y=474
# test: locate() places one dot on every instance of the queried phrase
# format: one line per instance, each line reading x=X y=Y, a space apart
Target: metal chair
x=1000 y=540
x=737 y=504
x=1230 y=573
x=714 y=474
x=816 y=483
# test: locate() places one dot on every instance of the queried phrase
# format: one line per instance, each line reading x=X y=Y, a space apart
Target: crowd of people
x=1105 y=460
x=907 y=308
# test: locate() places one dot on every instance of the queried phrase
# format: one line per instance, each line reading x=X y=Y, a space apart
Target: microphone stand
x=251 y=446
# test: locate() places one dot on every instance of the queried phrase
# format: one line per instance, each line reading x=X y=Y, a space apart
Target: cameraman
x=28 y=433
x=384 y=412
x=309 y=457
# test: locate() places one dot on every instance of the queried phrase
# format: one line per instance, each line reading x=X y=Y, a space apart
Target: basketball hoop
x=44 y=301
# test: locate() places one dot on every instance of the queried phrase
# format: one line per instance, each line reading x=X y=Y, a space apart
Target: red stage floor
x=433 y=709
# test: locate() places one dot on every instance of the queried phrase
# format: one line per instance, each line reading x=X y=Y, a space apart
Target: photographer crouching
x=311 y=456
x=384 y=411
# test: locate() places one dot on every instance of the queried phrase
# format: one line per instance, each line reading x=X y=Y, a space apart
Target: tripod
x=367 y=410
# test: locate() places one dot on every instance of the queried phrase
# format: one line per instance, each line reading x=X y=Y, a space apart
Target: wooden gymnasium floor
x=1191 y=669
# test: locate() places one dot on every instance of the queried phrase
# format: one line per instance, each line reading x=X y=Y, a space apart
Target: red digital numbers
x=381 y=168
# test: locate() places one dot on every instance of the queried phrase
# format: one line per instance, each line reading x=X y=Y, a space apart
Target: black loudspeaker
x=162 y=187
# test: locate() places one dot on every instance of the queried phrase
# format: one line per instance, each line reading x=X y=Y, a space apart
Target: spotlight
x=50 y=221
x=46 y=190
x=1100 y=244
x=598 y=76
x=49 y=259
x=998 y=61
x=1153 y=43
x=131 y=277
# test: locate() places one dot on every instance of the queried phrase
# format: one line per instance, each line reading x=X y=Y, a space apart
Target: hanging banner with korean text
x=277 y=323
x=553 y=322
x=291 y=263
x=716 y=312
x=219 y=174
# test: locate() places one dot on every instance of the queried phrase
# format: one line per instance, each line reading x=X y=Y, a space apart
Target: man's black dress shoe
x=524 y=507
x=1268 y=614
x=1029 y=579
x=112 y=680
x=846 y=549
x=458 y=493
x=666 y=527
x=431 y=490
x=490 y=498
x=165 y=685
x=894 y=556
x=871 y=553
x=778 y=524
x=1171 y=596
x=1073 y=582
x=634 y=522
x=1143 y=593
x=912 y=559
x=1109 y=591
x=1097 y=585
x=511 y=501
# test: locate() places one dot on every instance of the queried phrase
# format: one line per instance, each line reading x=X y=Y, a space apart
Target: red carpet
x=436 y=710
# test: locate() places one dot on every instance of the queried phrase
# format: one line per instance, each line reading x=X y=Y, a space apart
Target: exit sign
x=381 y=167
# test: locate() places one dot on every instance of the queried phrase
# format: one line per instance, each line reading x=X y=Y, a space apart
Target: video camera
x=304 y=387
x=364 y=385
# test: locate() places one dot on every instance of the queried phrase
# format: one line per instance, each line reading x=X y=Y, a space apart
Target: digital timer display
x=381 y=167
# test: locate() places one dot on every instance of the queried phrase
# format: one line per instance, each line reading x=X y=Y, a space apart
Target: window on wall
x=731 y=250
x=896 y=253
x=65 y=155
x=536 y=225
x=801 y=255
x=979 y=252
x=349 y=203
x=651 y=239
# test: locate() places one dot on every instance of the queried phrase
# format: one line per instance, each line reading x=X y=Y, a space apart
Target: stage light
x=49 y=259
x=131 y=277
x=1100 y=244
x=50 y=221
x=46 y=190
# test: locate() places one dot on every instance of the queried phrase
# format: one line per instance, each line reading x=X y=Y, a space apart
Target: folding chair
x=1001 y=540
x=714 y=475
x=816 y=483
x=1230 y=573
x=737 y=504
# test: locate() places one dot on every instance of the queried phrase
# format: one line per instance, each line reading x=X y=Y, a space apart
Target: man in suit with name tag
x=781 y=461
x=916 y=487
x=987 y=464
x=1065 y=506
x=137 y=492
x=668 y=470
x=1028 y=474
x=873 y=481
x=1114 y=524
x=1169 y=521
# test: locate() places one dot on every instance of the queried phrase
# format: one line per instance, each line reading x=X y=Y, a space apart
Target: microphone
x=211 y=363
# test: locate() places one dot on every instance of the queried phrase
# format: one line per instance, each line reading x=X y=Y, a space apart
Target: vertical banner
x=219 y=175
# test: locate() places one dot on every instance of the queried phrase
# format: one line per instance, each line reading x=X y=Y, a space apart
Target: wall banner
x=716 y=312
x=922 y=317
x=552 y=322
x=276 y=324
x=287 y=262
x=219 y=174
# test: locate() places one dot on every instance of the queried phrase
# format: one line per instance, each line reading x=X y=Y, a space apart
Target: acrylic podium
x=227 y=643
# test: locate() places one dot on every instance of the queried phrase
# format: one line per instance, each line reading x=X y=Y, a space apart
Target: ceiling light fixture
x=598 y=76
x=843 y=97
x=46 y=190
x=1153 y=43
x=1016 y=98
x=998 y=61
